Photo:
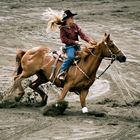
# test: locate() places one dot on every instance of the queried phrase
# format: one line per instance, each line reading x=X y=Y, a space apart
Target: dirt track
x=22 y=26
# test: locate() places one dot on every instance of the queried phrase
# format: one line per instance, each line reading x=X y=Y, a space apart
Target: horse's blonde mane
x=54 y=19
x=88 y=47
x=86 y=50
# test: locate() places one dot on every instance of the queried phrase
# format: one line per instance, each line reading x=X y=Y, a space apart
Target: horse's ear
x=105 y=34
x=108 y=37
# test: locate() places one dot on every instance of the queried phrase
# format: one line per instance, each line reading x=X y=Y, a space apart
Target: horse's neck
x=92 y=64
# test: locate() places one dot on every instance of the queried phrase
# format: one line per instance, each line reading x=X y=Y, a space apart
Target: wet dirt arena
x=116 y=93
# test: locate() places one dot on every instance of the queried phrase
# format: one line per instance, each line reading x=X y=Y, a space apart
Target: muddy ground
x=116 y=93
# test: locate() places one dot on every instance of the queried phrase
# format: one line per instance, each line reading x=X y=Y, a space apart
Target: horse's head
x=111 y=50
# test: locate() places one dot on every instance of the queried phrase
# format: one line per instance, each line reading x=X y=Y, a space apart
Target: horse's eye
x=112 y=44
x=105 y=43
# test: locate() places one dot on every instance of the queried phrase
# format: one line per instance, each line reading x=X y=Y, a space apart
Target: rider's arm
x=85 y=37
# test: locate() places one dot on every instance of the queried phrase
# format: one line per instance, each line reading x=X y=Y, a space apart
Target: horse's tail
x=19 y=56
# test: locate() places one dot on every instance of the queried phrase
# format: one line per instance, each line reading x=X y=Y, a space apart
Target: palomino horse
x=79 y=78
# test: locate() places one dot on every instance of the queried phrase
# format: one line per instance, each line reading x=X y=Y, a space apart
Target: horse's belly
x=81 y=85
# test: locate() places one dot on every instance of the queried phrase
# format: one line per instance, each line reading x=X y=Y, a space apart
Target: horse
x=39 y=61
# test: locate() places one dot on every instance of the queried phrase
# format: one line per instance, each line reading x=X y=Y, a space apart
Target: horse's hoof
x=8 y=104
x=84 y=110
x=18 y=98
x=55 y=109
x=1 y=104
x=45 y=99
x=43 y=102
x=39 y=104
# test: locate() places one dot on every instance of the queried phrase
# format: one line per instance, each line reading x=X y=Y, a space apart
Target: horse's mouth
x=121 y=59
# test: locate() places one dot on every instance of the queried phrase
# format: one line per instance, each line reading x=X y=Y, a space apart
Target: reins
x=113 y=58
x=81 y=70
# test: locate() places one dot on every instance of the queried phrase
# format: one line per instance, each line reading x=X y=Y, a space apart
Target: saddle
x=61 y=56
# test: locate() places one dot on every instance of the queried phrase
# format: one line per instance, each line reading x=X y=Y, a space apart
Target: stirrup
x=61 y=76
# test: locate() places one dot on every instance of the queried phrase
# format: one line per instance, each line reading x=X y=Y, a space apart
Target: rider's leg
x=70 y=51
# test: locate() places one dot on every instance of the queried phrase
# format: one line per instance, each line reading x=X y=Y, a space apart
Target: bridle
x=113 y=57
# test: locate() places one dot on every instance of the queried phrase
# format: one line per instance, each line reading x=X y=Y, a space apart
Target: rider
x=69 y=32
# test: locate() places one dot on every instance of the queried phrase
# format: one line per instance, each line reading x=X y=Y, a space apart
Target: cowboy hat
x=67 y=14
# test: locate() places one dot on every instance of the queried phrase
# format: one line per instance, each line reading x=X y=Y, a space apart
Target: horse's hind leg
x=18 y=87
x=35 y=86
x=14 y=94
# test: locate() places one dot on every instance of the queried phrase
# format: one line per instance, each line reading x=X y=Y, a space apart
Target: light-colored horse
x=79 y=79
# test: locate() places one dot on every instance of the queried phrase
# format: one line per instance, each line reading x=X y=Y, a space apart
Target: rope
x=106 y=69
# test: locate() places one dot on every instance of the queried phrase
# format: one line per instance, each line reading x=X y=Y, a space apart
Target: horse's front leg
x=58 y=108
x=83 y=95
x=64 y=92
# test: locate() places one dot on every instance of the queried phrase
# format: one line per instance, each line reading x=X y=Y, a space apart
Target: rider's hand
x=78 y=43
x=92 y=42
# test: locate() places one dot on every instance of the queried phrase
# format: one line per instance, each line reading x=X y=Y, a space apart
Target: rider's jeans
x=70 y=51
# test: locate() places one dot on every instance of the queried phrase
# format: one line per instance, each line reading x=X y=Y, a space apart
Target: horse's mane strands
x=88 y=48
x=54 y=19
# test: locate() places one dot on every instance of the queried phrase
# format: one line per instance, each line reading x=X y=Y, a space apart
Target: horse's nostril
x=121 y=58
